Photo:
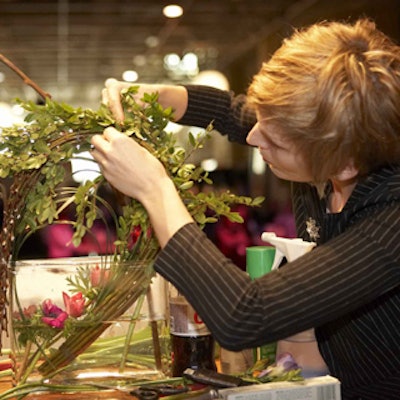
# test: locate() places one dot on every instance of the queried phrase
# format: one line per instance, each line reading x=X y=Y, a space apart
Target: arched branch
x=24 y=77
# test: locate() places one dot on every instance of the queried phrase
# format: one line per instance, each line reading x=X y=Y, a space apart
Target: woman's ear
x=348 y=172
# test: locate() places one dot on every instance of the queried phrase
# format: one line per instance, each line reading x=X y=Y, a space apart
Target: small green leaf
x=186 y=185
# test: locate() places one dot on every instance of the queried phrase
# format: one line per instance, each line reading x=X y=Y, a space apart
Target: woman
x=327 y=107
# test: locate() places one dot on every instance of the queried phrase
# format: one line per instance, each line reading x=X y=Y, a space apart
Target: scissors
x=153 y=392
x=147 y=391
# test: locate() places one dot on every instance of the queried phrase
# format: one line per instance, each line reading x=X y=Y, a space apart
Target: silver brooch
x=312 y=229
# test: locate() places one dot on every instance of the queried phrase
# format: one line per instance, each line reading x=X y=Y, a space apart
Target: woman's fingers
x=119 y=158
x=111 y=96
x=109 y=133
x=104 y=97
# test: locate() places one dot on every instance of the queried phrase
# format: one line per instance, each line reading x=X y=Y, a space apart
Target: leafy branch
x=34 y=155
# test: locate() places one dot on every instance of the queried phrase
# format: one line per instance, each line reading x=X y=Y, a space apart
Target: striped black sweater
x=347 y=288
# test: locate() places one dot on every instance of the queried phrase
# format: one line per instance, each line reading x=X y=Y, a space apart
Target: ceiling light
x=172 y=60
x=212 y=78
x=152 y=41
x=130 y=76
x=190 y=62
x=139 y=60
x=173 y=11
x=209 y=165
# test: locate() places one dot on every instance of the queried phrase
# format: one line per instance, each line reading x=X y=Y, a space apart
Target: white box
x=318 y=388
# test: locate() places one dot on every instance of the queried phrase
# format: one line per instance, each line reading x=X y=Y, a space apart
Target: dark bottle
x=192 y=345
x=192 y=352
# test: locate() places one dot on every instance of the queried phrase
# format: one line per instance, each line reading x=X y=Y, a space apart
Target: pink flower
x=99 y=276
x=74 y=305
x=53 y=315
x=28 y=312
x=49 y=309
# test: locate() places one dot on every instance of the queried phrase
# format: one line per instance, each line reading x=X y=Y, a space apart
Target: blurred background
x=70 y=47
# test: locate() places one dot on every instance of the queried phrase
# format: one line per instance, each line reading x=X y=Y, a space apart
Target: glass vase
x=87 y=320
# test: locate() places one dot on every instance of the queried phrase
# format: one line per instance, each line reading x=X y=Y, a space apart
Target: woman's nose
x=251 y=138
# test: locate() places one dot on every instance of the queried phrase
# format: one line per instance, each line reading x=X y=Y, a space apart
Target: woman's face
x=280 y=154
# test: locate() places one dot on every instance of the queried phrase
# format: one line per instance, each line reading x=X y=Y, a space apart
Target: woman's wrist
x=175 y=97
x=166 y=211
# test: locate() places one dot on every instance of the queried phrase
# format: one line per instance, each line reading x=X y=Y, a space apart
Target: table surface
x=6 y=384
x=96 y=395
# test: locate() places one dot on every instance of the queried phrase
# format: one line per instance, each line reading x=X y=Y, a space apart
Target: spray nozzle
x=289 y=248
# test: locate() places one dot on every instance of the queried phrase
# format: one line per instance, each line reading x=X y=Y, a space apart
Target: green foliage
x=35 y=155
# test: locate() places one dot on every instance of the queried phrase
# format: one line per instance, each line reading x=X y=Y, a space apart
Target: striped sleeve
x=332 y=280
x=229 y=114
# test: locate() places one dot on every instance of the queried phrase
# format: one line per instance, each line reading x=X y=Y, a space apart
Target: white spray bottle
x=303 y=346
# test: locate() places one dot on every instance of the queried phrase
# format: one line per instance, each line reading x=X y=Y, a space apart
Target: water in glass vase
x=87 y=320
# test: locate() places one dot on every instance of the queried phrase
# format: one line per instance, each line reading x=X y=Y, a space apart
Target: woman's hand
x=111 y=97
x=168 y=96
x=128 y=167
x=132 y=170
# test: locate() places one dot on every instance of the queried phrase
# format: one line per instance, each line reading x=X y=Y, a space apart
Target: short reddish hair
x=334 y=88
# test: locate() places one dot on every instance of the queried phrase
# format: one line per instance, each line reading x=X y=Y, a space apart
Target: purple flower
x=284 y=363
x=52 y=315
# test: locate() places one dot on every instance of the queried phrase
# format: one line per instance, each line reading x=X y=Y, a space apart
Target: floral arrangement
x=57 y=342
x=33 y=156
x=285 y=368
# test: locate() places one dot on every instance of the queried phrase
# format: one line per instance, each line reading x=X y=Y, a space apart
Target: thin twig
x=24 y=77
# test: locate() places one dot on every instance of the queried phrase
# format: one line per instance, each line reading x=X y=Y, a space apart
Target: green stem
x=154 y=330
x=6 y=372
x=27 y=370
x=29 y=361
x=122 y=297
x=26 y=389
x=23 y=366
x=131 y=329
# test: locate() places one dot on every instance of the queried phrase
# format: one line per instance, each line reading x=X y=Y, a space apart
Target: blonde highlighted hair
x=334 y=88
